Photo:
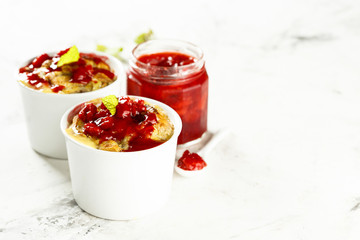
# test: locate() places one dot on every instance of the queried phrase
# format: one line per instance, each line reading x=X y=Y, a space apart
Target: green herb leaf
x=116 y=52
x=110 y=103
x=101 y=48
x=71 y=56
x=144 y=37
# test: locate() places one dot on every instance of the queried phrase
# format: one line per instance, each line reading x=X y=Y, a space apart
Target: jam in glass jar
x=172 y=72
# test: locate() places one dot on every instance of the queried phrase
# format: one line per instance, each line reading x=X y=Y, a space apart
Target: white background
x=284 y=76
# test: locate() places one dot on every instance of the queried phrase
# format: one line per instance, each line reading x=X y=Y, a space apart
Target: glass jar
x=174 y=73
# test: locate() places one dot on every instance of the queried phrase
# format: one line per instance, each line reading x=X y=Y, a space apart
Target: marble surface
x=284 y=76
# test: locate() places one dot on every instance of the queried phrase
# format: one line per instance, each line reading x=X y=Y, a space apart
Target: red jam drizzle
x=82 y=73
x=34 y=79
x=191 y=161
x=57 y=88
x=104 y=71
x=96 y=58
x=187 y=95
x=131 y=118
x=37 y=62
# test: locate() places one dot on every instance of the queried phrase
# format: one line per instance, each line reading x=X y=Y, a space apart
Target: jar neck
x=170 y=73
x=167 y=73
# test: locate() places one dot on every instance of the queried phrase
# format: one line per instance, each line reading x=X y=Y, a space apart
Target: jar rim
x=187 y=47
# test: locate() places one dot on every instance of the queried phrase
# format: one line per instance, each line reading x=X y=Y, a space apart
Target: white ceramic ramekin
x=43 y=111
x=122 y=185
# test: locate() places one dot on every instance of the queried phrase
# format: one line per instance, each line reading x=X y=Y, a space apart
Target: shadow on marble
x=60 y=165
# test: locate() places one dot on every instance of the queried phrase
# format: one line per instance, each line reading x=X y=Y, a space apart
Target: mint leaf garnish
x=71 y=56
x=116 y=52
x=110 y=103
x=144 y=37
x=101 y=48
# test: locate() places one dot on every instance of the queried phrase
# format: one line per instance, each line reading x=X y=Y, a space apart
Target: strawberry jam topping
x=81 y=72
x=191 y=161
x=34 y=79
x=37 y=62
x=166 y=59
x=57 y=88
x=132 y=119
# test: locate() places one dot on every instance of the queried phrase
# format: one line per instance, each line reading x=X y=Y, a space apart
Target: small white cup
x=122 y=185
x=43 y=111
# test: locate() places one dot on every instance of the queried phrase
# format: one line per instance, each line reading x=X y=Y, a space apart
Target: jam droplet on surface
x=191 y=161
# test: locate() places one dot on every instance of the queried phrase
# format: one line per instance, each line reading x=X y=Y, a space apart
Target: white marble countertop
x=284 y=76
